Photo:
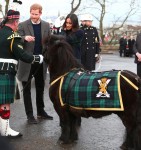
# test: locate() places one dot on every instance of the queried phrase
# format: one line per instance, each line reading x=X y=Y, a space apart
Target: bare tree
x=75 y=5
x=114 y=27
x=103 y=4
x=7 y=5
x=99 y=9
x=1 y=9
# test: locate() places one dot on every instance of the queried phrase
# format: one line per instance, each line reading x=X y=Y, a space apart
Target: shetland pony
x=61 y=61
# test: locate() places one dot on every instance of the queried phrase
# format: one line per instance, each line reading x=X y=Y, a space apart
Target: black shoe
x=44 y=115
x=32 y=120
x=14 y=137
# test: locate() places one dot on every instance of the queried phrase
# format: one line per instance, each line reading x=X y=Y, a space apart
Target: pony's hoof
x=123 y=146
x=74 y=137
x=64 y=140
x=78 y=121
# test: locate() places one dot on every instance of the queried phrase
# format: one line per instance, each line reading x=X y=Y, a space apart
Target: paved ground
x=95 y=134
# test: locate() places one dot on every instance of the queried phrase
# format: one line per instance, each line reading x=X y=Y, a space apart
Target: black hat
x=17 y=1
x=12 y=14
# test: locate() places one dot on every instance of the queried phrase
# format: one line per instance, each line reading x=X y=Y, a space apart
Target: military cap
x=12 y=14
x=82 y=17
x=88 y=17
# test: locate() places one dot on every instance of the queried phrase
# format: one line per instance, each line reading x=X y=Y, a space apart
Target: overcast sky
x=52 y=7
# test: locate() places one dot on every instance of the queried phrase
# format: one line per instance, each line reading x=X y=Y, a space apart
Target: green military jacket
x=11 y=47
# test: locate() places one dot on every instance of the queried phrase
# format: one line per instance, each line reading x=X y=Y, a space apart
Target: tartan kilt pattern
x=7 y=88
x=84 y=92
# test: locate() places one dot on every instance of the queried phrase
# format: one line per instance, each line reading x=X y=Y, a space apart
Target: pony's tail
x=137 y=130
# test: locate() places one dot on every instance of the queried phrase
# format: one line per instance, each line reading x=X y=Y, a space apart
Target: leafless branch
x=73 y=7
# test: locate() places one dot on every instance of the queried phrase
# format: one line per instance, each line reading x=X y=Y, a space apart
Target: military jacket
x=90 y=47
x=11 y=48
x=90 y=39
x=123 y=43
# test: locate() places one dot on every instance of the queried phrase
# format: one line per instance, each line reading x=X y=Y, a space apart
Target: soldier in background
x=121 y=46
x=125 y=46
x=131 y=42
x=90 y=44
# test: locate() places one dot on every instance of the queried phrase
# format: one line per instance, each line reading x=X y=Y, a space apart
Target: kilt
x=7 y=88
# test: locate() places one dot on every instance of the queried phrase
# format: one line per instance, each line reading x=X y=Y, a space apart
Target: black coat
x=75 y=40
x=90 y=47
x=12 y=48
x=131 y=43
x=122 y=43
x=137 y=46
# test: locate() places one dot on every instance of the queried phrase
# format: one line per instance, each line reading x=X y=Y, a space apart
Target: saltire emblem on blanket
x=103 y=84
x=92 y=91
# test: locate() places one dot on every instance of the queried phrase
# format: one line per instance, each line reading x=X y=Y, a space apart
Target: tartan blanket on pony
x=91 y=90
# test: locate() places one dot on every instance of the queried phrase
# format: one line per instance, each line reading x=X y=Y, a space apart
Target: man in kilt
x=11 y=50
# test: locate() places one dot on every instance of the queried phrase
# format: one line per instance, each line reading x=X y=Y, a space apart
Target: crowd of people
x=126 y=46
x=131 y=47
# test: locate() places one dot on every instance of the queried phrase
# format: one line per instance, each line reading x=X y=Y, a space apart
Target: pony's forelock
x=61 y=56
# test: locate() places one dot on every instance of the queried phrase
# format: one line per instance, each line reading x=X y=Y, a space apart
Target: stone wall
x=109 y=47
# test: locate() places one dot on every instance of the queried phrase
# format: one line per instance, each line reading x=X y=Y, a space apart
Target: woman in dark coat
x=73 y=34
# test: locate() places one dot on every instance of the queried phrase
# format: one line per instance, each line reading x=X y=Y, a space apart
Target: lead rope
x=31 y=78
